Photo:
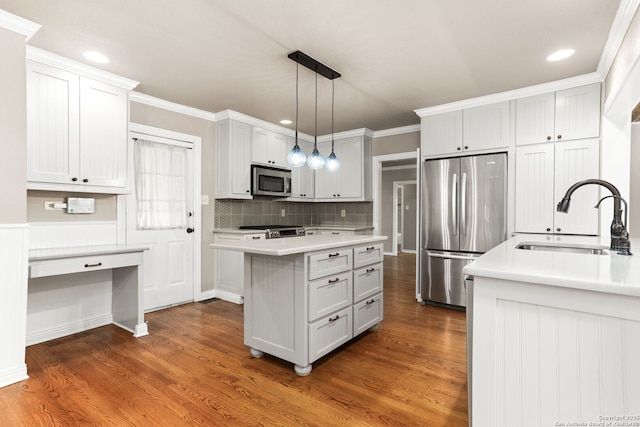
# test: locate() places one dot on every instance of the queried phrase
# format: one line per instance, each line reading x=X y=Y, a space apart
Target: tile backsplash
x=234 y=213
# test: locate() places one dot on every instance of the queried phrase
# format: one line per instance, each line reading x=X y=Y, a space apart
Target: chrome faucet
x=619 y=233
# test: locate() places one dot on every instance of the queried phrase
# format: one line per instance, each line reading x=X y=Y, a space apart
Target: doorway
x=161 y=214
x=404 y=216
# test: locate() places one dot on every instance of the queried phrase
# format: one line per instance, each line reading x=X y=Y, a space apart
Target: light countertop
x=78 y=251
x=354 y=228
x=296 y=245
x=611 y=273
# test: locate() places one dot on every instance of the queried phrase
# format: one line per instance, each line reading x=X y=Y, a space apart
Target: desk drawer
x=58 y=266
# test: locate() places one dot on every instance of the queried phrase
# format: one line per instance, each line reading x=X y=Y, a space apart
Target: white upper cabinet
x=302 y=178
x=486 y=127
x=441 y=134
x=564 y=115
x=76 y=132
x=544 y=172
x=473 y=129
x=353 y=180
x=269 y=148
x=233 y=160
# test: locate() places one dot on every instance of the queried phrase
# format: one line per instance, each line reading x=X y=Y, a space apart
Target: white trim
x=396 y=131
x=142 y=98
x=136 y=129
x=395 y=168
x=18 y=24
x=618 y=31
x=228 y=296
x=234 y=115
x=581 y=80
x=48 y=58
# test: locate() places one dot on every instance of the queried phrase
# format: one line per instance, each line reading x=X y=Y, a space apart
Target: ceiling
x=394 y=56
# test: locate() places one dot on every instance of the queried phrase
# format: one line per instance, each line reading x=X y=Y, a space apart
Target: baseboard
x=408 y=251
x=68 y=329
x=13 y=375
x=206 y=295
x=229 y=296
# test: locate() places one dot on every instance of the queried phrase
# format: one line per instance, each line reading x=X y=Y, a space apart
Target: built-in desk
x=125 y=263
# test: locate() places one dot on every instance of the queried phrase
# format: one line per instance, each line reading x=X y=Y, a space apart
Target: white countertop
x=296 y=245
x=354 y=228
x=77 y=251
x=611 y=273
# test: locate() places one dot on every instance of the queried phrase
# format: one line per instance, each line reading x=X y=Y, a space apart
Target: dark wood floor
x=194 y=370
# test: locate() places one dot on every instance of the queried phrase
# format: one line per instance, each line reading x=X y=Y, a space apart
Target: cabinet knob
x=466 y=147
x=549 y=138
x=74 y=179
x=248 y=191
x=548 y=229
x=85 y=180
x=458 y=148
x=559 y=136
x=558 y=229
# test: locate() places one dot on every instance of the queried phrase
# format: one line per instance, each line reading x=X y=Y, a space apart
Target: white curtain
x=161 y=185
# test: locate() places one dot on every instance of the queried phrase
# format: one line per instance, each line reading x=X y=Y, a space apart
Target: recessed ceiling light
x=96 y=57
x=285 y=122
x=560 y=55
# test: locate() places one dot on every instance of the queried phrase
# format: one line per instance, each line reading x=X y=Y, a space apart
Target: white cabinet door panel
x=486 y=127
x=441 y=134
x=578 y=112
x=535 y=119
x=534 y=188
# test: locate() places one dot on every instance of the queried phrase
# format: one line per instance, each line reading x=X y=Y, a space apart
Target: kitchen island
x=554 y=326
x=306 y=296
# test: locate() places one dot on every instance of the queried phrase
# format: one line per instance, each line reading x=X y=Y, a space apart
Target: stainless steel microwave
x=267 y=181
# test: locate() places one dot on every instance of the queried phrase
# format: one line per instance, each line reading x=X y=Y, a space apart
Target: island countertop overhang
x=611 y=273
x=296 y=245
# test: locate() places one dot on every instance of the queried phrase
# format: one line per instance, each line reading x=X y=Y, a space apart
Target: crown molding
x=18 y=25
x=619 y=28
x=45 y=57
x=396 y=131
x=570 y=82
x=142 y=98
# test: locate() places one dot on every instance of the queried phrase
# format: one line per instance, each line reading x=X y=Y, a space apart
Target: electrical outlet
x=204 y=199
x=283 y=212
x=343 y=213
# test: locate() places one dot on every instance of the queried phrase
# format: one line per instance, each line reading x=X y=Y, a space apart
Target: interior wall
x=205 y=129
x=634 y=189
x=401 y=143
x=105 y=207
x=410 y=201
x=389 y=176
x=13 y=128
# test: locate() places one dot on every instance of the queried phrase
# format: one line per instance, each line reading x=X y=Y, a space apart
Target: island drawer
x=329 y=294
x=329 y=333
x=328 y=263
x=367 y=313
x=367 y=281
x=366 y=255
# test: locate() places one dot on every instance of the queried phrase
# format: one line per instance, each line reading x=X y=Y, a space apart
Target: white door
x=169 y=262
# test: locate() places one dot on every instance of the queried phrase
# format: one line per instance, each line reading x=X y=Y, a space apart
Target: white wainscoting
x=545 y=355
x=69 y=234
x=14 y=261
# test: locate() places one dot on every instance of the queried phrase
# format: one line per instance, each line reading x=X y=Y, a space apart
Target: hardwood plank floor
x=195 y=370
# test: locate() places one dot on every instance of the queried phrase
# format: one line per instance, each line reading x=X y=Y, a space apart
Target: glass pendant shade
x=296 y=157
x=315 y=160
x=333 y=162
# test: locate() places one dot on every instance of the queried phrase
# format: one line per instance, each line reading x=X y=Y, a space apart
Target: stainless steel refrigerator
x=463 y=215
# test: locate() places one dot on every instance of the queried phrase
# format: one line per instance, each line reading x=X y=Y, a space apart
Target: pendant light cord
x=315 y=133
x=333 y=94
x=297 y=67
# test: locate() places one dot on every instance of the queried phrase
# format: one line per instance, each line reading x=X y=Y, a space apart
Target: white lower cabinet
x=301 y=307
x=229 y=268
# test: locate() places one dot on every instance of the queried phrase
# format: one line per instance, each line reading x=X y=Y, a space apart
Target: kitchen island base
x=300 y=307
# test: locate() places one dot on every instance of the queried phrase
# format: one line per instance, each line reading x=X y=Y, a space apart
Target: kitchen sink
x=563 y=247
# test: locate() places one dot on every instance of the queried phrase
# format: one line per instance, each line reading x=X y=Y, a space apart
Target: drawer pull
x=371 y=248
x=334 y=255
x=370 y=270
x=92 y=265
x=335 y=232
x=334 y=319
x=336 y=280
x=256 y=237
x=371 y=302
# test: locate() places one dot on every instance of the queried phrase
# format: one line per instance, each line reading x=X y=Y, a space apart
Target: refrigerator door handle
x=451 y=256
x=454 y=203
x=463 y=205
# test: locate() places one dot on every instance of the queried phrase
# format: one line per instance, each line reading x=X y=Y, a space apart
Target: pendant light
x=315 y=160
x=296 y=156
x=333 y=162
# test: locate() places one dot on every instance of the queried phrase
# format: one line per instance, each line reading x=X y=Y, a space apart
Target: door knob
x=190 y=230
